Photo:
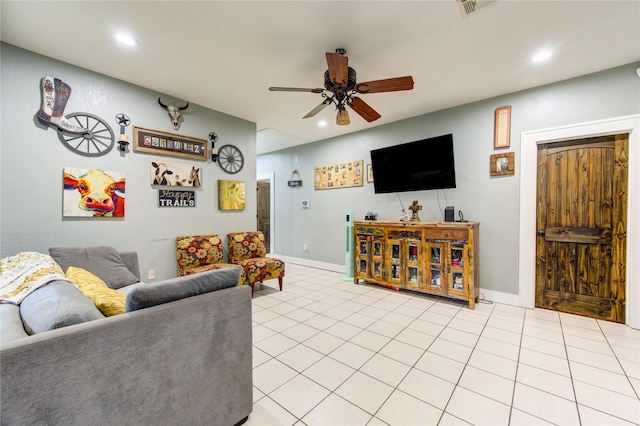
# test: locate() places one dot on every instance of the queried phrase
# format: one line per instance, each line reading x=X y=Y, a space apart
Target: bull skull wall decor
x=174 y=112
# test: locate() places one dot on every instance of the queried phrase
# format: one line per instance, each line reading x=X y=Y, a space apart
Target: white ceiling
x=225 y=55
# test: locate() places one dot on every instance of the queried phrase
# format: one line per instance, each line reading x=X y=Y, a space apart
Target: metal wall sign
x=176 y=198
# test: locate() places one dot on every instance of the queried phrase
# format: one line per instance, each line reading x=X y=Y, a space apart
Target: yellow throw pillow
x=108 y=301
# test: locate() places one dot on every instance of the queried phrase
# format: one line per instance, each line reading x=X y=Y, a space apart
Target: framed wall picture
x=231 y=195
x=171 y=144
x=338 y=175
x=93 y=193
x=369 y=173
x=502 y=133
x=175 y=174
x=502 y=164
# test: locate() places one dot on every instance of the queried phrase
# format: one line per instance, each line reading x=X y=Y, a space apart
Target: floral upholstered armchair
x=248 y=250
x=199 y=253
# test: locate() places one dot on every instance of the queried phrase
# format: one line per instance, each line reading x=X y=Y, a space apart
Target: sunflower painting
x=231 y=195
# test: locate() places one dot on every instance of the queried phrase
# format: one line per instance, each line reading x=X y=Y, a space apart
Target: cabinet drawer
x=446 y=234
x=367 y=230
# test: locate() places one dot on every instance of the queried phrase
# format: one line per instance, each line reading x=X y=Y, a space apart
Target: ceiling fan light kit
x=342 y=119
x=341 y=86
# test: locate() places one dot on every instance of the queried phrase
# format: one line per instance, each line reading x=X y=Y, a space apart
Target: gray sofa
x=186 y=361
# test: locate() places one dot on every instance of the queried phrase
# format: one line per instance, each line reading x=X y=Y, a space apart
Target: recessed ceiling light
x=126 y=39
x=542 y=55
x=322 y=123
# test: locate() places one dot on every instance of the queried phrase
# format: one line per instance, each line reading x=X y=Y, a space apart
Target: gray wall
x=32 y=160
x=492 y=201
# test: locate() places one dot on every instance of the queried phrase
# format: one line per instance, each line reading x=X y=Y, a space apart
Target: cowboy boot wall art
x=55 y=95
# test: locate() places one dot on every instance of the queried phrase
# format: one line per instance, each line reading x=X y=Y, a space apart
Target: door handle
x=541 y=233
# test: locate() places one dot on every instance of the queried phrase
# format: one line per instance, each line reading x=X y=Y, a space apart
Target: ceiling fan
x=341 y=86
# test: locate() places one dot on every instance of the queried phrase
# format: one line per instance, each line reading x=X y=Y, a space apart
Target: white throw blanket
x=25 y=272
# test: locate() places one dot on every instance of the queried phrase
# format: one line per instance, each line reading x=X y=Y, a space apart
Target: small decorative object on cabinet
x=440 y=258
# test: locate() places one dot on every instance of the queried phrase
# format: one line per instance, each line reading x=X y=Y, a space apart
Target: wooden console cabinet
x=440 y=258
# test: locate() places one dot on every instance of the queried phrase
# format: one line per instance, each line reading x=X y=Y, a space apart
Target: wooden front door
x=264 y=211
x=582 y=225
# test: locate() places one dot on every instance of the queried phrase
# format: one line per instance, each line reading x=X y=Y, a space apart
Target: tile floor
x=328 y=352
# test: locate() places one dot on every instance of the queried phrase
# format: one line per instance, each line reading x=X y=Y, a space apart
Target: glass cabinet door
x=362 y=257
x=457 y=256
x=377 y=258
x=394 y=261
x=413 y=271
x=436 y=267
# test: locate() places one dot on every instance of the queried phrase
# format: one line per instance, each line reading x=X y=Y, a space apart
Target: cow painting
x=175 y=174
x=161 y=173
x=93 y=193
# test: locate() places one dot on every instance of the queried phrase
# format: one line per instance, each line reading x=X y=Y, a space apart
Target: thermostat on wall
x=305 y=204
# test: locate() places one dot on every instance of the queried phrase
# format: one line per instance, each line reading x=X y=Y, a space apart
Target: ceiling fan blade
x=317 y=109
x=363 y=109
x=295 y=89
x=338 y=68
x=386 y=85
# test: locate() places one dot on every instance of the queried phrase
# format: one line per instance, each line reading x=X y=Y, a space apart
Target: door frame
x=270 y=176
x=528 y=169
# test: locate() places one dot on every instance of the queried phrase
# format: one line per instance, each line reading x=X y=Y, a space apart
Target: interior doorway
x=582 y=226
x=528 y=182
x=265 y=208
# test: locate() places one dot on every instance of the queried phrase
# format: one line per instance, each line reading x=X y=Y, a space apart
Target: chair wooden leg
x=251 y=284
x=280 y=282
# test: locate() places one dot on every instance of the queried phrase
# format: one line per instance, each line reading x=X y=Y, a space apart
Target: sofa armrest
x=183 y=362
x=172 y=289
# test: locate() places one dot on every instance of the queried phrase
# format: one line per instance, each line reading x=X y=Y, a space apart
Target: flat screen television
x=414 y=166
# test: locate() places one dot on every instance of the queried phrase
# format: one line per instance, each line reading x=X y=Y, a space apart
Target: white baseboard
x=485 y=294
x=311 y=263
x=499 y=297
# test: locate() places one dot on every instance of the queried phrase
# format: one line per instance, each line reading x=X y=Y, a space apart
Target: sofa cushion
x=55 y=305
x=108 y=301
x=103 y=261
x=152 y=294
x=11 y=327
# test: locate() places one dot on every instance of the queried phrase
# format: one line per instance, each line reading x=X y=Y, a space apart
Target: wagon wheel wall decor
x=96 y=141
x=230 y=159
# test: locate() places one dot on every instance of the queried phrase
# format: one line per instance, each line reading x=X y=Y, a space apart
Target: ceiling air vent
x=469 y=7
